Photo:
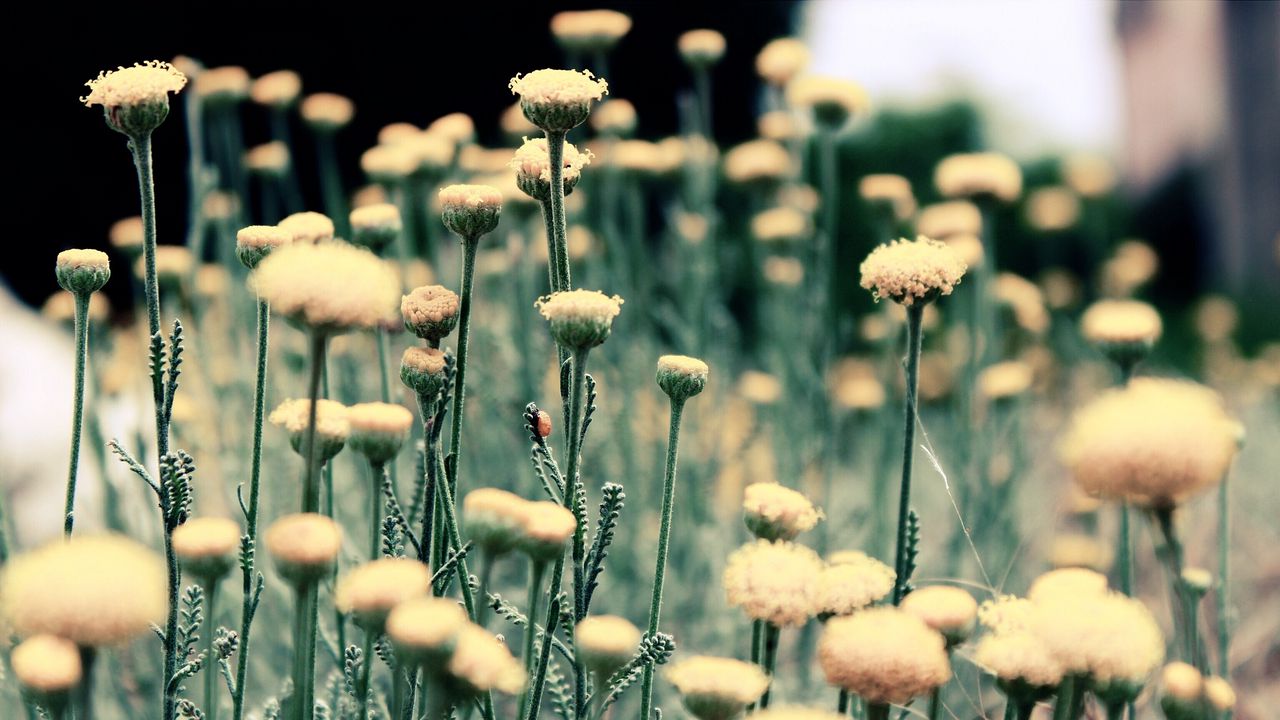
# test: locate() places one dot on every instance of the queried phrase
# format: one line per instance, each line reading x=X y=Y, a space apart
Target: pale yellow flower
x=883 y=655
x=775 y=582
x=910 y=272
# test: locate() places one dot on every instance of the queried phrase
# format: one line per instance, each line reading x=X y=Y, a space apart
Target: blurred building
x=1201 y=84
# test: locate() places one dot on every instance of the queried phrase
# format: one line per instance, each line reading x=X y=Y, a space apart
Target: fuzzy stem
x=311 y=484
x=1071 y=694
x=211 y=670
x=1183 y=607
x=842 y=703
x=366 y=672
x=84 y=692
x=915 y=314
x=771 y=633
x=378 y=470
x=544 y=653
x=174 y=579
x=664 y=539
x=555 y=157
x=251 y=520
x=304 y=650
x=537 y=570
x=469 y=246
x=1224 y=582
x=77 y=417
x=572 y=501
x=1124 y=563
x=141 y=148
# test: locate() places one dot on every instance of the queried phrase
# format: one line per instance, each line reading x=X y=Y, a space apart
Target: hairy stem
x=915 y=314
x=77 y=416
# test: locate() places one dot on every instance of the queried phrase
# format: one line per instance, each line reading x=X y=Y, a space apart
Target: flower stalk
x=77 y=419
x=915 y=315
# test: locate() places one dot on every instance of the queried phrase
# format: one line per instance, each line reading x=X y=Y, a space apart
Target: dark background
x=398 y=62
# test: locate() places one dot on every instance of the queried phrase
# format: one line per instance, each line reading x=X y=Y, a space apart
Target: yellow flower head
x=606 y=642
x=1018 y=656
x=255 y=242
x=681 y=377
x=580 y=318
x=91 y=590
x=456 y=127
x=589 y=30
x=774 y=512
x=1154 y=443
x=494 y=518
x=954 y=217
x=1089 y=175
x=1024 y=299
x=308 y=227
x=370 y=591
x=558 y=100
x=1005 y=380
x=1069 y=582
x=375 y=226
x=127 y=234
x=135 y=99
x=1121 y=322
x=545 y=526
x=207 y=546
x=780 y=225
x=1082 y=551
x=1051 y=209
x=701 y=48
x=884 y=655
x=832 y=100
x=304 y=545
x=332 y=426
x=227 y=84
x=891 y=190
x=82 y=271
x=269 y=159
x=951 y=611
x=985 y=173
x=426 y=627
x=910 y=272
x=46 y=665
x=776 y=582
x=616 y=117
x=378 y=430
x=422 y=370
x=327 y=111
x=470 y=210
x=781 y=60
x=1111 y=637
x=533 y=167
x=278 y=89
x=851 y=581
x=330 y=287
x=1131 y=266
x=717 y=688
x=480 y=662
x=759 y=388
x=757 y=162
x=1182 y=681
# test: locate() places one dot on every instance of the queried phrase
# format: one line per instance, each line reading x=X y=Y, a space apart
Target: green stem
x=1224 y=581
x=84 y=692
x=335 y=204
x=537 y=569
x=544 y=653
x=771 y=633
x=311 y=483
x=400 y=695
x=1183 y=608
x=366 y=672
x=251 y=520
x=664 y=539
x=702 y=88
x=877 y=711
x=77 y=417
x=304 y=650
x=174 y=579
x=826 y=252
x=572 y=501
x=469 y=246
x=842 y=703
x=1070 y=702
x=378 y=471
x=1115 y=711
x=915 y=313
x=555 y=157
x=1124 y=561
x=211 y=670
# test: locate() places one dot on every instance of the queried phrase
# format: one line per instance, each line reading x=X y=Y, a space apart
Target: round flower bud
x=332 y=427
x=716 y=688
x=951 y=611
x=850 y=581
x=308 y=227
x=616 y=117
x=884 y=655
x=701 y=48
x=82 y=271
x=370 y=591
x=255 y=242
x=430 y=312
x=378 y=430
x=48 y=669
x=579 y=319
x=544 y=528
x=375 y=226
x=269 y=160
x=606 y=643
x=978 y=174
x=223 y=86
x=891 y=191
x=833 y=101
x=758 y=163
x=207 y=547
x=589 y=31
x=494 y=519
x=774 y=512
x=782 y=225
x=482 y=663
x=424 y=630
x=1197 y=581
x=327 y=112
x=305 y=546
x=910 y=272
x=329 y=288
x=127 y=235
x=681 y=377
x=422 y=370
x=1219 y=693
x=781 y=60
x=470 y=210
x=558 y=100
x=533 y=168
x=1024 y=667
x=1124 y=330
x=277 y=90
x=1076 y=550
x=92 y=590
x=775 y=582
x=135 y=100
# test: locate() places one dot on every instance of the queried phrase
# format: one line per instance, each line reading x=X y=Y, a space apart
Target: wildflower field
x=590 y=426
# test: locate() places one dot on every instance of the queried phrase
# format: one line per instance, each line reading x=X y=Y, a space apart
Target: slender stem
x=935 y=702
x=572 y=501
x=771 y=632
x=555 y=156
x=1224 y=581
x=544 y=653
x=487 y=560
x=1124 y=563
x=537 y=570
x=842 y=703
x=211 y=670
x=331 y=183
x=251 y=520
x=77 y=417
x=400 y=695
x=826 y=252
x=664 y=539
x=311 y=484
x=1071 y=695
x=702 y=87
x=915 y=314
x=1115 y=711
x=366 y=672
x=84 y=693
x=378 y=470
x=305 y=651
x=1183 y=607
x=469 y=246
x=174 y=578
x=877 y=711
